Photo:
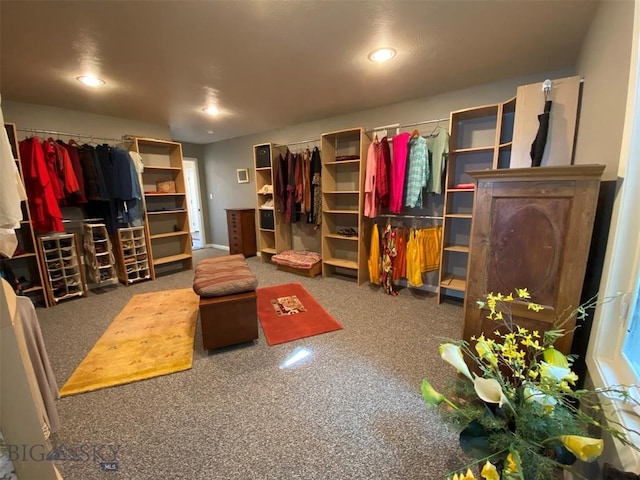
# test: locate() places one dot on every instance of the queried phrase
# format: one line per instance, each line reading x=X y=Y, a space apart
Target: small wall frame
x=242 y=175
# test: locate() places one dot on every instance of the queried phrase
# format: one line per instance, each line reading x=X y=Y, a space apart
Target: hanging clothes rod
x=300 y=142
x=69 y=134
x=395 y=125
x=428 y=217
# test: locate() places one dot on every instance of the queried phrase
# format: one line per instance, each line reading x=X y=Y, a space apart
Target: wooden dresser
x=531 y=229
x=241 y=224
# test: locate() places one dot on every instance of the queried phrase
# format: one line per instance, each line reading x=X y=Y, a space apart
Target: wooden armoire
x=531 y=229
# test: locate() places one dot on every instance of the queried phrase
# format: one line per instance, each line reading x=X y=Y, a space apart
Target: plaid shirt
x=418 y=172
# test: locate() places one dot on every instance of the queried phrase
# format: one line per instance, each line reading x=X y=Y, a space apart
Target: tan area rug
x=151 y=336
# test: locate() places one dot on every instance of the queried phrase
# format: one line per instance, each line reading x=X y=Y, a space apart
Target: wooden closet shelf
x=166 y=212
x=162 y=194
x=355 y=212
x=37 y=288
x=154 y=167
x=171 y=259
x=453 y=282
x=269 y=251
x=342 y=162
x=333 y=192
x=341 y=237
x=168 y=235
x=457 y=248
x=459 y=215
x=23 y=255
x=487 y=149
x=339 y=262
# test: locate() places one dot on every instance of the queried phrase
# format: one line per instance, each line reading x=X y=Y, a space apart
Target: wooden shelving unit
x=342 y=203
x=27 y=263
x=274 y=233
x=166 y=212
x=481 y=139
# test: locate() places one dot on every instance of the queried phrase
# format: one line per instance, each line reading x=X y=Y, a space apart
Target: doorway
x=192 y=182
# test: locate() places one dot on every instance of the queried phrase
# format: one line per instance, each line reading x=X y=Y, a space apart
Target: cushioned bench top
x=220 y=276
x=302 y=259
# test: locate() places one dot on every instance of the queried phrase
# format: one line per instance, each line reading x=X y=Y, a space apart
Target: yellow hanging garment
x=431 y=241
x=374 y=256
x=414 y=276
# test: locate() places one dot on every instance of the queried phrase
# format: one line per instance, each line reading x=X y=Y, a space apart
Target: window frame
x=606 y=364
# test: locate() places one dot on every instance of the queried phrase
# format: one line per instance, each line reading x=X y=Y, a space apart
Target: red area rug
x=288 y=312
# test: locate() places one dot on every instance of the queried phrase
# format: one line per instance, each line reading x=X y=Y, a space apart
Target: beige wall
x=223 y=158
x=604 y=64
x=28 y=115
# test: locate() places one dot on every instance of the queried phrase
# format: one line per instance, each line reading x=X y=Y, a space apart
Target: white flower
x=532 y=394
x=489 y=390
x=452 y=354
x=553 y=372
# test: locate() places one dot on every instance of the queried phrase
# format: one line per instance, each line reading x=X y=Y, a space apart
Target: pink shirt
x=398 y=168
x=370 y=200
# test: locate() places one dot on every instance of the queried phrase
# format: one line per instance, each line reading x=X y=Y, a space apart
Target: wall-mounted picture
x=243 y=175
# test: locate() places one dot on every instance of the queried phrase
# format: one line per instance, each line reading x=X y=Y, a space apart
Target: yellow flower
x=512 y=463
x=585 y=448
x=555 y=358
x=522 y=293
x=498 y=316
x=483 y=347
x=468 y=475
x=430 y=395
x=489 y=472
x=535 y=307
x=509 y=298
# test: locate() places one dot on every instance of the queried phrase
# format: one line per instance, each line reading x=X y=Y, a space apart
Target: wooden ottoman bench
x=228 y=310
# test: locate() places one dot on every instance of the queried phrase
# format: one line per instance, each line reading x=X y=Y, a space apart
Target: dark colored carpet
x=352 y=410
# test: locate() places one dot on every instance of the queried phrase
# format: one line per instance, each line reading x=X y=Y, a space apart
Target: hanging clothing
x=537 y=147
x=95 y=187
x=43 y=205
x=430 y=241
x=383 y=171
x=398 y=170
x=400 y=260
x=370 y=200
x=417 y=172
x=280 y=187
x=374 y=256
x=388 y=253
x=306 y=181
x=12 y=194
x=315 y=215
x=414 y=275
x=438 y=150
x=81 y=196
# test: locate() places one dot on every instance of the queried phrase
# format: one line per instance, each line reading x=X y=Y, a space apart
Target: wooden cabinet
x=133 y=255
x=26 y=264
x=343 y=171
x=64 y=277
x=531 y=229
x=274 y=233
x=166 y=212
x=241 y=225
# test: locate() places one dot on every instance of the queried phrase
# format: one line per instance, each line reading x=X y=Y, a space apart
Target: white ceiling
x=269 y=63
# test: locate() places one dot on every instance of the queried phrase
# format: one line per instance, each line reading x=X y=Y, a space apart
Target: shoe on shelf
x=348 y=232
x=266 y=190
x=268 y=204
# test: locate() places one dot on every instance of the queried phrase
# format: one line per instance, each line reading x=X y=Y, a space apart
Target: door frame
x=197 y=196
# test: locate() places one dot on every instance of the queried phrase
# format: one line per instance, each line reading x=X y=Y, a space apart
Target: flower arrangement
x=521 y=416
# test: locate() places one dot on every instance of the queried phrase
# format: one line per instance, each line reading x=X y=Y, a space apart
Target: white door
x=190 y=167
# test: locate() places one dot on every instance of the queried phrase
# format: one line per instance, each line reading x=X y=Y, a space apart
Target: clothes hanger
x=436 y=129
x=415 y=133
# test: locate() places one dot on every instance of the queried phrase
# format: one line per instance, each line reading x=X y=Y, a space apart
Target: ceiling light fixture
x=213 y=111
x=91 y=81
x=381 y=55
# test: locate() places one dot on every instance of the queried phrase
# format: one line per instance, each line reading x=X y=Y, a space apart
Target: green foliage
x=520 y=411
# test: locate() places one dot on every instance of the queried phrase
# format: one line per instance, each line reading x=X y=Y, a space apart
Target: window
x=613 y=357
x=630 y=351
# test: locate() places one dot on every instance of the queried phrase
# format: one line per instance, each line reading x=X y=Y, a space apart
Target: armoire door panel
x=531 y=229
x=519 y=227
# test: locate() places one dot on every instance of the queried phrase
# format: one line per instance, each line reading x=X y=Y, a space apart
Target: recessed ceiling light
x=213 y=111
x=382 y=55
x=91 y=81
x=210 y=132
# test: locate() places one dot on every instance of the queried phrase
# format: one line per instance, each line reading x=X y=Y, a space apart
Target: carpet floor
x=351 y=410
